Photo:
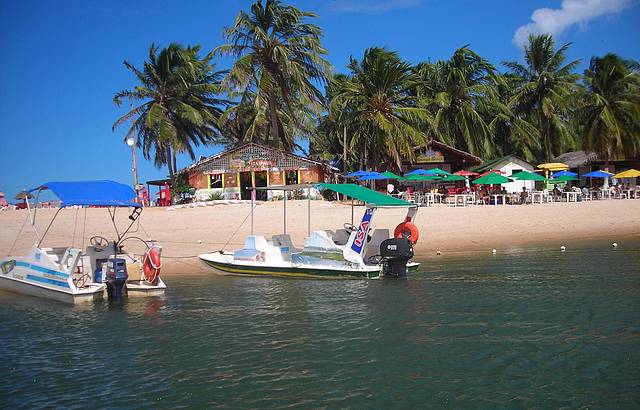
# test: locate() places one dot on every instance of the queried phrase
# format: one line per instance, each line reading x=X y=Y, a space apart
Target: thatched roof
x=576 y=158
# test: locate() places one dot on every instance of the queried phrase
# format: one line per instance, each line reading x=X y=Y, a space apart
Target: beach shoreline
x=452 y=231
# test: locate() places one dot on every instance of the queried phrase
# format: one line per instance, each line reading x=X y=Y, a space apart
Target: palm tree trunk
x=274 y=118
x=169 y=163
x=175 y=162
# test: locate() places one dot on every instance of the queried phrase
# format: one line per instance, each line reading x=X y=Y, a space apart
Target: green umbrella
x=562 y=179
x=438 y=171
x=453 y=178
x=421 y=178
x=528 y=176
x=492 y=179
x=390 y=175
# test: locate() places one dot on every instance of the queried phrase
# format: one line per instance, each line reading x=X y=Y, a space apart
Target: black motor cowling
x=116 y=278
x=395 y=254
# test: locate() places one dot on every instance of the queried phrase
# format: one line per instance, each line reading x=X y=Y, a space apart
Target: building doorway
x=245 y=185
x=260 y=178
x=291 y=177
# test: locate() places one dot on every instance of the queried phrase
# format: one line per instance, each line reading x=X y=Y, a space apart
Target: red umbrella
x=465 y=173
x=497 y=171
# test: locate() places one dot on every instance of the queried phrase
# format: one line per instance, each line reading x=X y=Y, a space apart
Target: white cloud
x=556 y=21
x=373 y=6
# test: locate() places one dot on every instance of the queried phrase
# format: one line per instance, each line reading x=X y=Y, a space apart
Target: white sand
x=443 y=228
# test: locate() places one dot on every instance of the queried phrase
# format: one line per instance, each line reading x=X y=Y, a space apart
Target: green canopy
x=421 y=178
x=365 y=195
x=562 y=179
x=528 y=176
x=390 y=175
x=453 y=178
x=438 y=171
x=492 y=179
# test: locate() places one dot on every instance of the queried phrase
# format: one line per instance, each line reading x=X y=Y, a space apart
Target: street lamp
x=131 y=141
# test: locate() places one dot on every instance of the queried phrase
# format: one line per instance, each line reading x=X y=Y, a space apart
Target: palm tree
x=546 y=88
x=179 y=107
x=378 y=104
x=279 y=62
x=459 y=92
x=611 y=108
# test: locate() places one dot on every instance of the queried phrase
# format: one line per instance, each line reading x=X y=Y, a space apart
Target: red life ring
x=407 y=230
x=151 y=265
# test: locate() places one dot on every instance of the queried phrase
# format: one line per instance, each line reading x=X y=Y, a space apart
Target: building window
x=215 y=181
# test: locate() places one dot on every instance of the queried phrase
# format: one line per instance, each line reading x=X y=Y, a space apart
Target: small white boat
x=349 y=252
x=74 y=275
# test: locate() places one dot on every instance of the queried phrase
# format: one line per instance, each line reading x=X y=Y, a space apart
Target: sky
x=61 y=61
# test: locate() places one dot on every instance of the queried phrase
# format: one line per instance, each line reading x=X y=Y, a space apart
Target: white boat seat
x=373 y=245
x=320 y=240
x=285 y=243
x=341 y=237
x=256 y=248
x=256 y=242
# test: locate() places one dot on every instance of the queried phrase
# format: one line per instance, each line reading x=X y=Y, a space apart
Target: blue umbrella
x=598 y=174
x=372 y=175
x=419 y=171
x=564 y=174
x=356 y=174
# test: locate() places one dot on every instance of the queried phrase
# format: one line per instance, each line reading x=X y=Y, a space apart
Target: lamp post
x=131 y=141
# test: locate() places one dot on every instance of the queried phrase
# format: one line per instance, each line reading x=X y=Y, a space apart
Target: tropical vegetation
x=280 y=91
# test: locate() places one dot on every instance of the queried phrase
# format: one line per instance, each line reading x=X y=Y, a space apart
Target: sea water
x=531 y=327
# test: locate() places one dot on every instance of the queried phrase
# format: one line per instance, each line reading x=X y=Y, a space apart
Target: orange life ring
x=407 y=230
x=151 y=265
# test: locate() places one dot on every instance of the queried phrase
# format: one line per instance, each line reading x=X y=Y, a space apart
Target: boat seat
x=373 y=245
x=320 y=240
x=285 y=243
x=341 y=237
x=256 y=248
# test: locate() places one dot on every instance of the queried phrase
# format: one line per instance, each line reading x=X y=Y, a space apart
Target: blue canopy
x=598 y=174
x=356 y=174
x=97 y=193
x=564 y=174
x=419 y=171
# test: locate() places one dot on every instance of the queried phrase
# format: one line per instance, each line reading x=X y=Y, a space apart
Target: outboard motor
x=395 y=254
x=116 y=278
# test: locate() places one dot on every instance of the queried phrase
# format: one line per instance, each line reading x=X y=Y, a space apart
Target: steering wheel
x=349 y=227
x=100 y=243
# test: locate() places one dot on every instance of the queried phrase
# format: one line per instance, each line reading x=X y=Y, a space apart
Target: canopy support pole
x=253 y=193
x=285 y=211
x=47 y=230
x=308 y=211
x=351 y=211
x=33 y=218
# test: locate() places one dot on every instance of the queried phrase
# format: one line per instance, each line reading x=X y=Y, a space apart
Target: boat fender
x=151 y=265
x=407 y=230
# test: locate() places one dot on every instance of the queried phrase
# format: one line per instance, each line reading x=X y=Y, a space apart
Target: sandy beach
x=449 y=230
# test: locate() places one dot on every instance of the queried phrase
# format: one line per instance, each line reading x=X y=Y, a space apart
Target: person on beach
x=523 y=195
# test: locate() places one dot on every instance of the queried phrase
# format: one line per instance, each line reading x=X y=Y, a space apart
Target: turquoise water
x=523 y=328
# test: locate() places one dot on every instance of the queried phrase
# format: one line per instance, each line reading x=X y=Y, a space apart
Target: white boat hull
x=143 y=288
x=28 y=288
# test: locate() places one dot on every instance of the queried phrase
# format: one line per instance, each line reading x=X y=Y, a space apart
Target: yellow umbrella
x=630 y=173
x=552 y=166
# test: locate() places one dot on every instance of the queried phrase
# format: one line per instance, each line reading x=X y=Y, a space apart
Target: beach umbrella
x=418 y=171
x=372 y=175
x=630 y=173
x=564 y=174
x=492 y=179
x=563 y=179
x=390 y=175
x=356 y=174
x=450 y=178
x=23 y=195
x=465 y=173
x=528 y=176
x=438 y=171
x=598 y=174
x=421 y=178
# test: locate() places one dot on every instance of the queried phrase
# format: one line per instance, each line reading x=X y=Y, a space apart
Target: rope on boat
x=18 y=235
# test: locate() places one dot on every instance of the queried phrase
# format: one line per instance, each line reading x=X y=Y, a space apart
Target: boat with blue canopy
x=350 y=252
x=74 y=275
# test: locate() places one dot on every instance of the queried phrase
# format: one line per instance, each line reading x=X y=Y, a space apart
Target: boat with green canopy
x=349 y=252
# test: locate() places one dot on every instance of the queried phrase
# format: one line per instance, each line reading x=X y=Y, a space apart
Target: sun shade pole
x=309 y=211
x=351 y=211
x=285 y=210
x=33 y=217
x=253 y=193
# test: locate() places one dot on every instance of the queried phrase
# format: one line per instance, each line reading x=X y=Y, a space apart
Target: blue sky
x=61 y=61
